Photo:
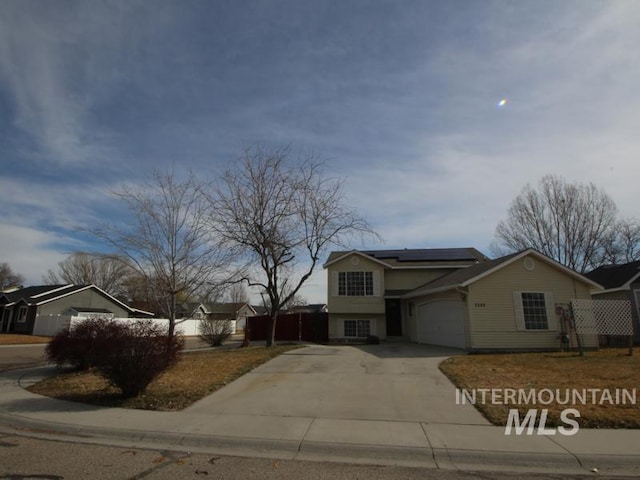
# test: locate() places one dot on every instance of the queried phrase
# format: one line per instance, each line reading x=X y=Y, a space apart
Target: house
x=236 y=312
x=366 y=287
x=620 y=282
x=310 y=308
x=468 y=302
x=232 y=311
x=22 y=307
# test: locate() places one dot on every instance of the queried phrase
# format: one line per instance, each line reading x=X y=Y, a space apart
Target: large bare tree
x=573 y=223
x=106 y=272
x=281 y=213
x=8 y=277
x=168 y=241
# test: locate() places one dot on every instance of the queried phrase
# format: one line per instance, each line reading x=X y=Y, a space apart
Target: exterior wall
x=336 y=329
x=358 y=305
x=491 y=307
x=412 y=278
x=86 y=299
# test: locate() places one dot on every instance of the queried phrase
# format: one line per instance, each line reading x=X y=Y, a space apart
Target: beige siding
x=336 y=329
x=358 y=305
x=412 y=278
x=491 y=306
x=84 y=299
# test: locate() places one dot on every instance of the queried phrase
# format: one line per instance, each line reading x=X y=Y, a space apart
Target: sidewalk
x=433 y=445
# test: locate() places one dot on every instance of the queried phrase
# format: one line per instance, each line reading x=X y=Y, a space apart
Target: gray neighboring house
x=237 y=312
x=20 y=307
x=620 y=282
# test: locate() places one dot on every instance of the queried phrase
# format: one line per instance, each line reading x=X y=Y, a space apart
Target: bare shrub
x=83 y=345
x=214 y=332
x=143 y=351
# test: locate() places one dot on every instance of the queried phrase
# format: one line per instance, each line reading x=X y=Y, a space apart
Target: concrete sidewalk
x=434 y=444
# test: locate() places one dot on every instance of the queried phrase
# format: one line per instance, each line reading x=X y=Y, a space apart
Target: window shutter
x=552 y=319
x=519 y=311
x=376 y=283
x=334 y=284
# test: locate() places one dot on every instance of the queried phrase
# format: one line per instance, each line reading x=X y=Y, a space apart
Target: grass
x=606 y=369
x=17 y=339
x=195 y=376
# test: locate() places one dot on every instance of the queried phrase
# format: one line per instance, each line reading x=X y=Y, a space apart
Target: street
x=23 y=458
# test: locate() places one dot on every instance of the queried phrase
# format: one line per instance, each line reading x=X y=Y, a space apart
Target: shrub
x=83 y=345
x=129 y=355
x=214 y=332
x=142 y=352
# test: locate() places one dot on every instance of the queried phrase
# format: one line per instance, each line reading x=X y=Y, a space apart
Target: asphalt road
x=23 y=458
x=17 y=356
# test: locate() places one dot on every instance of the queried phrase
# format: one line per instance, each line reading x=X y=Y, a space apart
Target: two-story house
x=455 y=297
x=366 y=287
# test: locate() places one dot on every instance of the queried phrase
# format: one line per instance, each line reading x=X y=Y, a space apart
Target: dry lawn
x=17 y=339
x=606 y=369
x=196 y=375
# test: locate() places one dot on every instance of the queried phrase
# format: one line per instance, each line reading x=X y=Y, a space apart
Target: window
x=355 y=284
x=22 y=315
x=534 y=311
x=357 y=328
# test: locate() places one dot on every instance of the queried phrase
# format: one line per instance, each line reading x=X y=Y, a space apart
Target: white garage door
x=442 y=323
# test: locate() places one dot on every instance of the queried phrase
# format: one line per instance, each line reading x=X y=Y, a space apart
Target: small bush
x=83 y=345
x=214 y=332
x=129 y=355
x=373 y=340
x=143 y=351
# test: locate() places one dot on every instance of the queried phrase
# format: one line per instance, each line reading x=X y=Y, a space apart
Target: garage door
x=442 y=323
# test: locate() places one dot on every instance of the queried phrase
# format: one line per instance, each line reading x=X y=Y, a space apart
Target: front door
x=394 y=317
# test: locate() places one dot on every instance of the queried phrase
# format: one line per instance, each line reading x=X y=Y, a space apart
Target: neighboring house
x=311 y=308
x=232 y=311
x=504 y=304
x=620 y=282
x=22 y=307
x=236 y=312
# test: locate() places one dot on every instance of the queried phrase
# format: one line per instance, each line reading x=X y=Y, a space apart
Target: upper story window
x=355 y=284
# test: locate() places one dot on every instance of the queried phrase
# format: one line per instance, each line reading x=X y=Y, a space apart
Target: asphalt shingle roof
x=614 y=276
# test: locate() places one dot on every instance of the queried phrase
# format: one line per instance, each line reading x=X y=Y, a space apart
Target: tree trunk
x=271 y=333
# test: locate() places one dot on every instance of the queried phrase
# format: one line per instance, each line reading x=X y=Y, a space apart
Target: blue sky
x=400 y=96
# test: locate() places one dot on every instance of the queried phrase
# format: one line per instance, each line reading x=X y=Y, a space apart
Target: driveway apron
x=388 y=382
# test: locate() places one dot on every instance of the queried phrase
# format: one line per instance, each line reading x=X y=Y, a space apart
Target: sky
x=434 y=113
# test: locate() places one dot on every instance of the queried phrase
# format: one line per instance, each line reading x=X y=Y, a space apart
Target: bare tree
x=237 y=294
x=575 y=224
x=625 y=247
x=282 y=216
x=168 y=242
x=8 y=277
x=109 y=273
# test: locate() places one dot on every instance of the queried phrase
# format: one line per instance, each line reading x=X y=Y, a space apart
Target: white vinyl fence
x=50 y=325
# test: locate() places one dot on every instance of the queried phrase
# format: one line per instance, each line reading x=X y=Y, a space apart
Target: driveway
x=21 y=356
x=392 y=382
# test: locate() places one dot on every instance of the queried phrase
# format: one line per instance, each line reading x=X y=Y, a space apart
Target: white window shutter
x=334 y=283
x=376 y=283
x=552 y=319
x=519 y=311
x=373 y=327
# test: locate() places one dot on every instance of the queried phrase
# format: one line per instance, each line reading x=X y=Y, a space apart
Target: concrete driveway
x=392 y=382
